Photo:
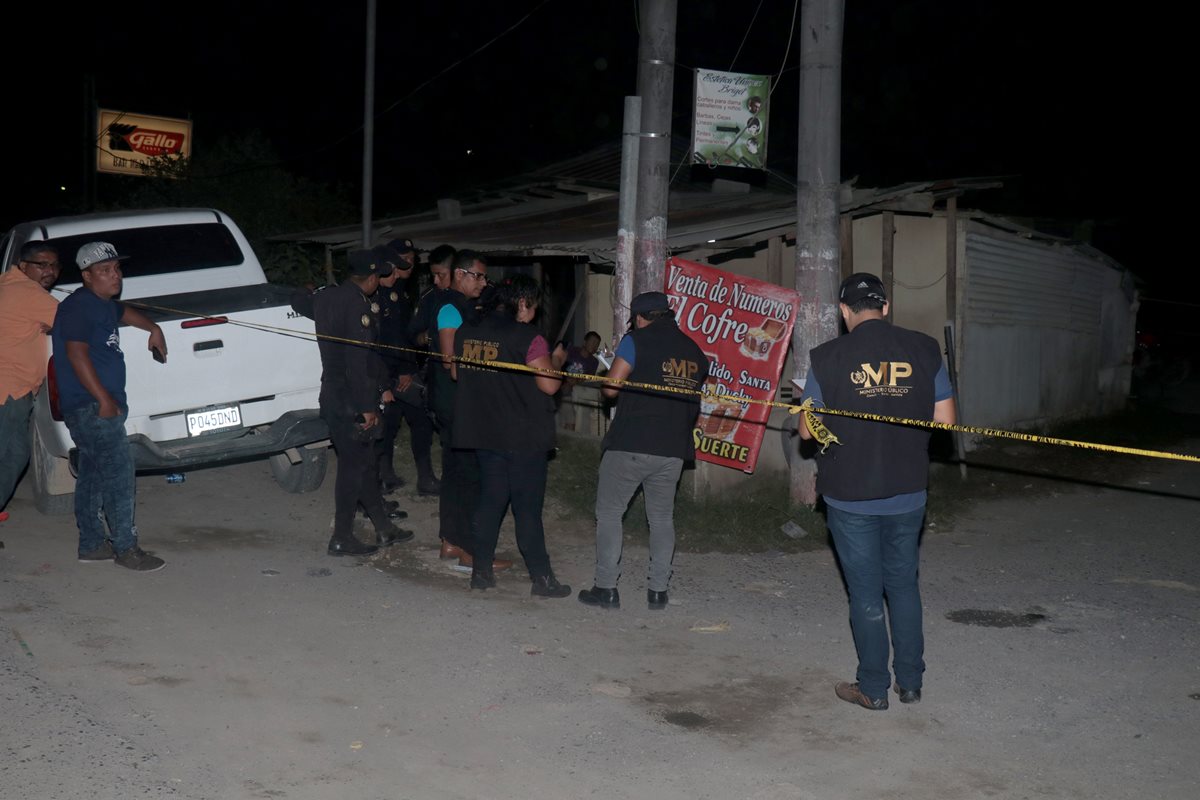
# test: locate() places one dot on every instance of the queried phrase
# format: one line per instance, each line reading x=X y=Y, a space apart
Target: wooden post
x=952 y=261
x=775 y=260
x=889 y=261
x=952 y=315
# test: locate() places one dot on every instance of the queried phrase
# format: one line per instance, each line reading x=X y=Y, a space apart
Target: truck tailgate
x=243 y=375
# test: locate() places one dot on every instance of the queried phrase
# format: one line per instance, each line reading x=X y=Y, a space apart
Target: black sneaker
x=907 y=695
x=548 y=586
x=104 y=552
x=656 y=601
x=138 y=560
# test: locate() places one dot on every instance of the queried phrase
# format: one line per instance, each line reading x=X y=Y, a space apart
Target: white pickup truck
x=226 y=392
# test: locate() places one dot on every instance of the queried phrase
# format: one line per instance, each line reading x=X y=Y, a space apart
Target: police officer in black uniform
x=408 y=386
x=353 y=387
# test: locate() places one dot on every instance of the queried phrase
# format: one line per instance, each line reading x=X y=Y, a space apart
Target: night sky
x=1047 y=94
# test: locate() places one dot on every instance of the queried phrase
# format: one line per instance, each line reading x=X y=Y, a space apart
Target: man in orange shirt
x=26 y=317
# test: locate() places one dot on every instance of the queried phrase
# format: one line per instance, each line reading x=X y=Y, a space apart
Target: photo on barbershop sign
x=729 y=126
x=744 y=327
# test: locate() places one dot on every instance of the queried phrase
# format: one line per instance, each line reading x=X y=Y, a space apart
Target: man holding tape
x=874 y=482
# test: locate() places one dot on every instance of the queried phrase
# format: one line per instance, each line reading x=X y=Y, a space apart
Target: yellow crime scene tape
x=822 y=434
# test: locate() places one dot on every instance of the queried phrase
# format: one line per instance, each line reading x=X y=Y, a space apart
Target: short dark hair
x=442 y=254
x=866 y=304
x=463 y=259
x=29 y=250
x=512 y=290
x=591 y=334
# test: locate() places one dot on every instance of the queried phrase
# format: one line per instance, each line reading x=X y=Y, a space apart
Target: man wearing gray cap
x=647 y=445
x=90 y=370
x=874 y=481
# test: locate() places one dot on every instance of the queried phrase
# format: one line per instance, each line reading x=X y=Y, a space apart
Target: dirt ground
x=1061 y=622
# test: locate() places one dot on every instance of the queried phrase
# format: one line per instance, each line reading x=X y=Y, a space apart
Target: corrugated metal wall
x=1035 y=342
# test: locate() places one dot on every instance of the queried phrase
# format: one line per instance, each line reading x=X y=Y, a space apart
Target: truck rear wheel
x=306 y=476
x=53 y=483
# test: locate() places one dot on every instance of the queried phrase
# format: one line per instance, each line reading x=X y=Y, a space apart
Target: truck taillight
x=52 y=390
x=203 y=322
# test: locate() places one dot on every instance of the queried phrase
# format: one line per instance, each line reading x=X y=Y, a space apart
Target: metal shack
x=1044 y=326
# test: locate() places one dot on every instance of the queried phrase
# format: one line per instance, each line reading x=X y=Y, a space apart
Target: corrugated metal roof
x=570 y=208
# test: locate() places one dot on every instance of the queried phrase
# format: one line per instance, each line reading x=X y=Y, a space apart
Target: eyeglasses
x=479 y=276
x=44 y=264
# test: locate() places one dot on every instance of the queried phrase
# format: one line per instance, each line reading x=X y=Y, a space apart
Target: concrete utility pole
x=369 y=128
x=818 y=173
x=622 y=292
x=656 y=81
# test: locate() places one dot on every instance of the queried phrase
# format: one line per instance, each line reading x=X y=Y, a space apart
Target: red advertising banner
x=743 y=325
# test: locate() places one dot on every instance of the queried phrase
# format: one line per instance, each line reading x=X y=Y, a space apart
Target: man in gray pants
x=647 y=445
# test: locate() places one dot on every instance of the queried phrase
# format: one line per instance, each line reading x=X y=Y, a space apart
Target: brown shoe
x=852 y=694
x=465 y=560
x=451 y=551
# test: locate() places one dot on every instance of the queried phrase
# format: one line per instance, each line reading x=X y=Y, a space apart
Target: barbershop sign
x=125 y=143
x=743 y=326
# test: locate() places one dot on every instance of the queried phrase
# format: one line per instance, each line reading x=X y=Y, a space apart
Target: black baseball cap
x=860 y=286
x=367 y=262
x=647 y=302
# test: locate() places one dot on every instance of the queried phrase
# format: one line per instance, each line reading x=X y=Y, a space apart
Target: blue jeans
x=878 y=554
x=14 y=443
x=104 y=486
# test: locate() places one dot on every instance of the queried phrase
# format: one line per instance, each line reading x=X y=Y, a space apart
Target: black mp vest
x=660 y=423
x=499 y=409
x=877 y=368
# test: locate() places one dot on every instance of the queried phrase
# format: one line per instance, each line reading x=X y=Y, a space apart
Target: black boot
x=427 y=482
x=605 y=598
x=656 y=601
x=483 y=578
x=347 y=545
x=389 y=481
x=548 y=586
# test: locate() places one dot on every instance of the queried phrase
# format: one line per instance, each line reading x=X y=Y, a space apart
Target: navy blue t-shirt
x=84 y=317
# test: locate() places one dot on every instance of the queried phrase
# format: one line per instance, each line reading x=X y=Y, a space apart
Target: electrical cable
x=787 y=52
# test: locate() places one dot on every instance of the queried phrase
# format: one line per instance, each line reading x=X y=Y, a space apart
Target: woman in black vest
x=507 y=417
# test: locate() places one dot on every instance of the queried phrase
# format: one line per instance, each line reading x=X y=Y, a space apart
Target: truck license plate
x=213 y=419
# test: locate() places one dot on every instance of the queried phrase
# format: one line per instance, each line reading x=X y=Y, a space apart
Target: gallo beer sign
x=743 y=326
x=126 y=142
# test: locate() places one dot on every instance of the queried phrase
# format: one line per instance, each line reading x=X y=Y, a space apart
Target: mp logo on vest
x=676 y=371
x=479 y=350
x=884 y=379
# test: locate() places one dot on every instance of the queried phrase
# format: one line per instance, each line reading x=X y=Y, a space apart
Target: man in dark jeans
x=353 y=389
x=90 y=369
x=460 y=467
x=874 y=483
